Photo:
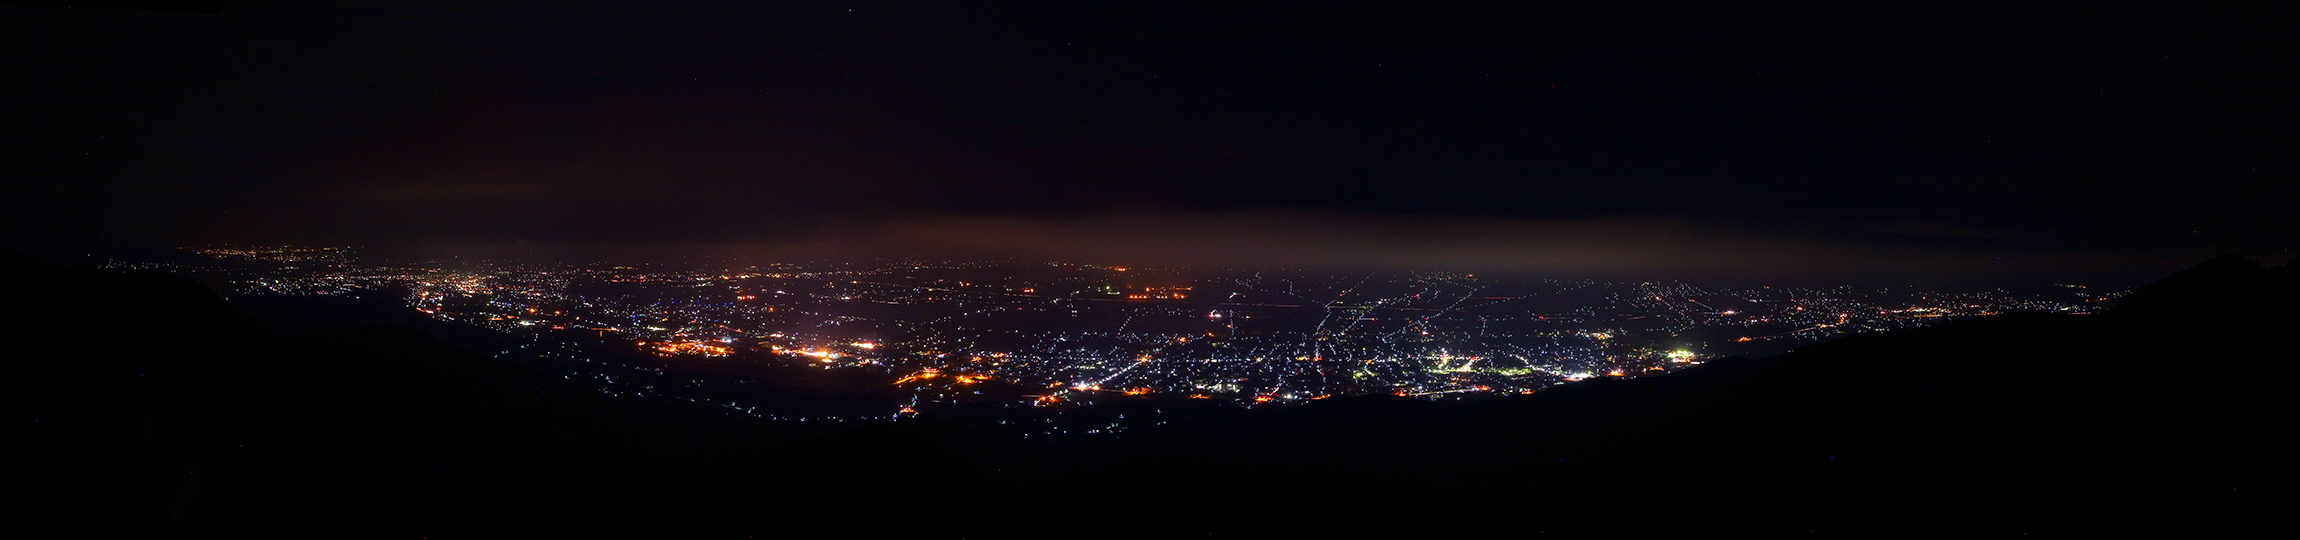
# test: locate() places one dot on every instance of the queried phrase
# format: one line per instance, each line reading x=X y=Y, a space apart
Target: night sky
x=1842 y=141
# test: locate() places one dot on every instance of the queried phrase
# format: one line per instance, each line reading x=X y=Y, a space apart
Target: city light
x=935 y=327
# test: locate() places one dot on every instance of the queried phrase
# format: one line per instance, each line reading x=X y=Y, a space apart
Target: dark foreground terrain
x=145 y=406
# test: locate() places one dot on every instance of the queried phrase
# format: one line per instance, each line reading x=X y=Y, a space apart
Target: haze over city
x=1650 y=142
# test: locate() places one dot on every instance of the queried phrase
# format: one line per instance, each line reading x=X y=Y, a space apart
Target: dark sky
x=1630 y=139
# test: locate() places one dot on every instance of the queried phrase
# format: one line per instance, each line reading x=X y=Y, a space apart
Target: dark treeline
x=152 y=408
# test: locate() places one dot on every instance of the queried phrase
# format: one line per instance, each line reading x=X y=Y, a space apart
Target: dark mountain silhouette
x=151 y=408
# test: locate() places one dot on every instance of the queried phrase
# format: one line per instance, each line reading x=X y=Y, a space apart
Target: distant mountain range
x=152 y=408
